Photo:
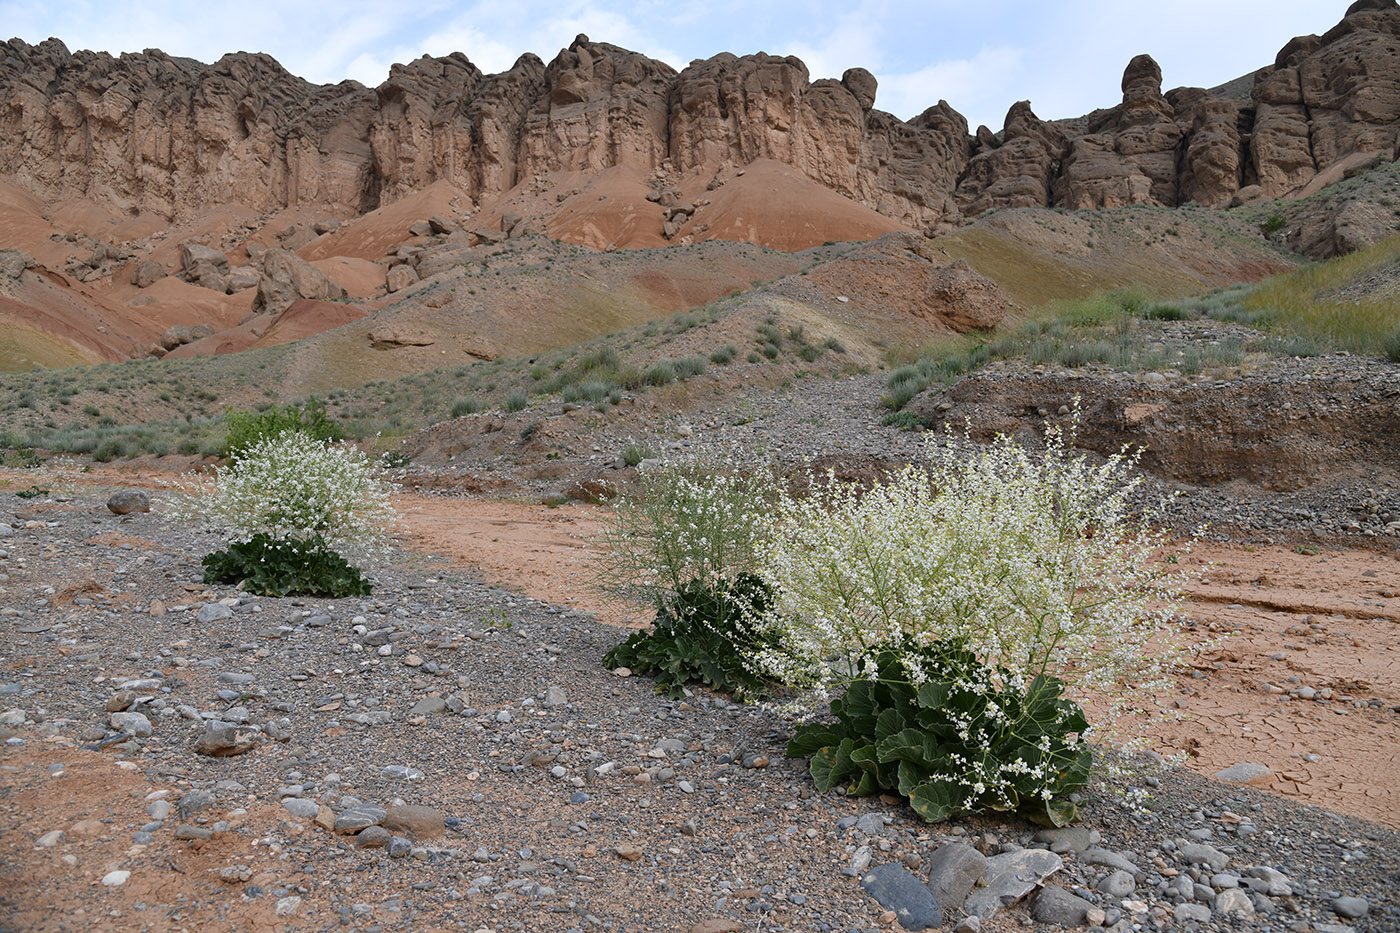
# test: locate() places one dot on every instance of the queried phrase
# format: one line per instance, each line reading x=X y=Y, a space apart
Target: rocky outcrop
x=149 y=131
x=286 y=277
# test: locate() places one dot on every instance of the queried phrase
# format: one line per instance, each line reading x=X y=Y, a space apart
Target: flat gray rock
x=953 y=870
x=1056 y=905
x=223 y=740
x=213 y=612
x=1107 y=858
x=898 y=890
x=1010 y=877
x=1353 y=908
x=301 y=808
x=357 y=818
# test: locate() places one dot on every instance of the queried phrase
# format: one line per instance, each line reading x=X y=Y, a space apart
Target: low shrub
x=660 y=374
x=634 y=454
x=276 y=566
x=688 y=366
x=934 y=724
x=1391 y=345
x=247 y=428
x=724 y=355
x=701 y=635
x=516 y=401
x=466 y=406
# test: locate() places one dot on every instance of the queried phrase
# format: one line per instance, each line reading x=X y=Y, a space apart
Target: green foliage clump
x=1391 y=345
x=466 y=406
x=516 y=401
x=247 y=428
x=700 y=636
x=277 y=566
x=724 y=355
x=960 y=737
x=1273 y=224
x=660 y=373
x=689 y=366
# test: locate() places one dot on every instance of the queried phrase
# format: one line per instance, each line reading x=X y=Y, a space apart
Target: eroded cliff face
x=152 y=132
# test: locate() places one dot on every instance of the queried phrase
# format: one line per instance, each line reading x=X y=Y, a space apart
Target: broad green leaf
x=934 y=801
x=887 y=724
x=810 y=738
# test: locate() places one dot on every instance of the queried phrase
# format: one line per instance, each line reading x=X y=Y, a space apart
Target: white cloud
x=977 y=87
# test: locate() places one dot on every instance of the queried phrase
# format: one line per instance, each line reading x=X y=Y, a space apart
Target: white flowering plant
x=288 y=506
x=683 y=542
x=1036 y=566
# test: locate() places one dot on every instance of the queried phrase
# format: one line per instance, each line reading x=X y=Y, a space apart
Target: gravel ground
x=558 y=796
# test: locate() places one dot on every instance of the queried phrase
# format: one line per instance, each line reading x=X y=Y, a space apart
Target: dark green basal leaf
x=278 y=567
x=935 y=801
x=697 y=637
x=888 y=723
x=810 y=739
x=832 y=765
x=887 y=735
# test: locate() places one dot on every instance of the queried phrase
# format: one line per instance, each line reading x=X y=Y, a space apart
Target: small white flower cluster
x=293 y=486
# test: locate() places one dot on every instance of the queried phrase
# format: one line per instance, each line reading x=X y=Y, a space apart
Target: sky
x=1066 y=57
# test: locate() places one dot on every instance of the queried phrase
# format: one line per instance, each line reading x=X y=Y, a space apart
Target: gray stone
x=1198 y=913
x=1233 y=901
x=131 y=723
x=415 y=822
x=300 y=808
x=1010 y=877
x=1108 y=859
x=1056 y=905
x=1274 y=882
x=1352 y=908
x=871 y=823
x=159 y=809
x=195 y=800
x=399 y=847
x=428 y=706
x=220 y=741
x=952 y=872
x=1117 y=883
x=555 y=696
x=968 y=925
x=1065 y=838
x=1246 y=772
x=898 y=890
x=371 y=837
x=213 y=612
x=1198 y=853
x=13 y=717
x=234 y=678
x=357 y=818
x=129 y=500
x=195 y=833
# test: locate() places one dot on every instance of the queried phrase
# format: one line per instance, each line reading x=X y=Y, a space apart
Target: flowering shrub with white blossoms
x=286 y=507
x=684 y=543
x=1034 y=564
x=292 y=486
x=681 y=522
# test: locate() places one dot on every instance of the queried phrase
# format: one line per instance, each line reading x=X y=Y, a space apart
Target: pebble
x=1246 y=772
x=115 y=879
x=1056 y=905
x=213 y=612
x=300 y=808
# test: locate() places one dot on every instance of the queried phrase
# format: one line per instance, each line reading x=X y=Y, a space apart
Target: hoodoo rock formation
x=151 y=132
